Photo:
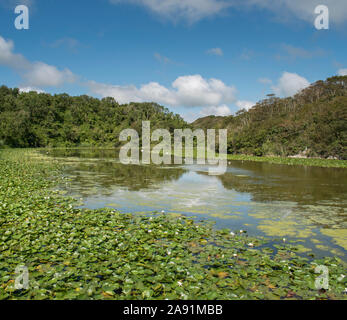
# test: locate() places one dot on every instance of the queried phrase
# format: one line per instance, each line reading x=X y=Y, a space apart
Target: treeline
x=45 y=120
x=312 y=123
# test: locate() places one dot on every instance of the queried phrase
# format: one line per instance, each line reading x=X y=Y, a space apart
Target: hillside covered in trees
x=313 y=123
x=42 y=120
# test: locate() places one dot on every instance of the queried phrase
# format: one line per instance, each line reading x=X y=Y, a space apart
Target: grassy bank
x=102 y=254
x=313 y=162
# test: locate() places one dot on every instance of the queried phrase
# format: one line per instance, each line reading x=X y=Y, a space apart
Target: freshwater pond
x=306 y=204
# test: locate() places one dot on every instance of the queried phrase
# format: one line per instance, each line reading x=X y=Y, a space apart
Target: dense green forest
x=44 y=120
x=312 y=123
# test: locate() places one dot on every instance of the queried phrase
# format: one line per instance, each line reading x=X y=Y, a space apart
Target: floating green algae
x=284 y=228
x=339 y=236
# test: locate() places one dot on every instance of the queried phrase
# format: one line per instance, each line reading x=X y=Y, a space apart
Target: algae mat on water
x=102 y=254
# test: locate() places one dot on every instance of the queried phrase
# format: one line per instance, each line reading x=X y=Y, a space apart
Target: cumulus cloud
x=342 y=72
x=35 y=74
x=151 y=91
x=243 y=104
x=185 y=91
x=195 y=10
x=29 y=89
x=222 y=110
x=290 y=84
x=197 y=91
x=43 y=75
x=215 y=51
x=10 y=59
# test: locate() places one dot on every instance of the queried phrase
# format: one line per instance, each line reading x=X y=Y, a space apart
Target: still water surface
x=307 y=204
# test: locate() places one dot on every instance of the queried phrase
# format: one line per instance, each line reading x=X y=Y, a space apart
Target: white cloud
x=151 y=91
x=342 y=72
x=196 y=91
x=215 y=51
x=242 y=104
x=10 y=59
x=29 y=89
x=35 y=74
x=195 y=10
x=219 y=111
x=44 y=75
x=191 y=11
x=290 y=84
x=222 y=110
x=191 y=116
x=185 y=91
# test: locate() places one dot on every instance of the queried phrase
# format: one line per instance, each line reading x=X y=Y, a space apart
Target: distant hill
x=313 y=123
x=41 y=120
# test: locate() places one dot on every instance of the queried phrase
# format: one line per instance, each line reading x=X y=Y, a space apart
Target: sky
x=195 y=57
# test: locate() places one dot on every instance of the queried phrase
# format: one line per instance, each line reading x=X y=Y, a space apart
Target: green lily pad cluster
x=102 y=254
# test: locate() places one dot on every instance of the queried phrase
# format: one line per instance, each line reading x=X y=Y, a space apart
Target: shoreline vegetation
x=311 y=124
x=75 y=253
x=292 y=161
x=311 y=162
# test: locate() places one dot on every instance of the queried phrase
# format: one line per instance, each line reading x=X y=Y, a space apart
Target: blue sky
x=196 y=57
